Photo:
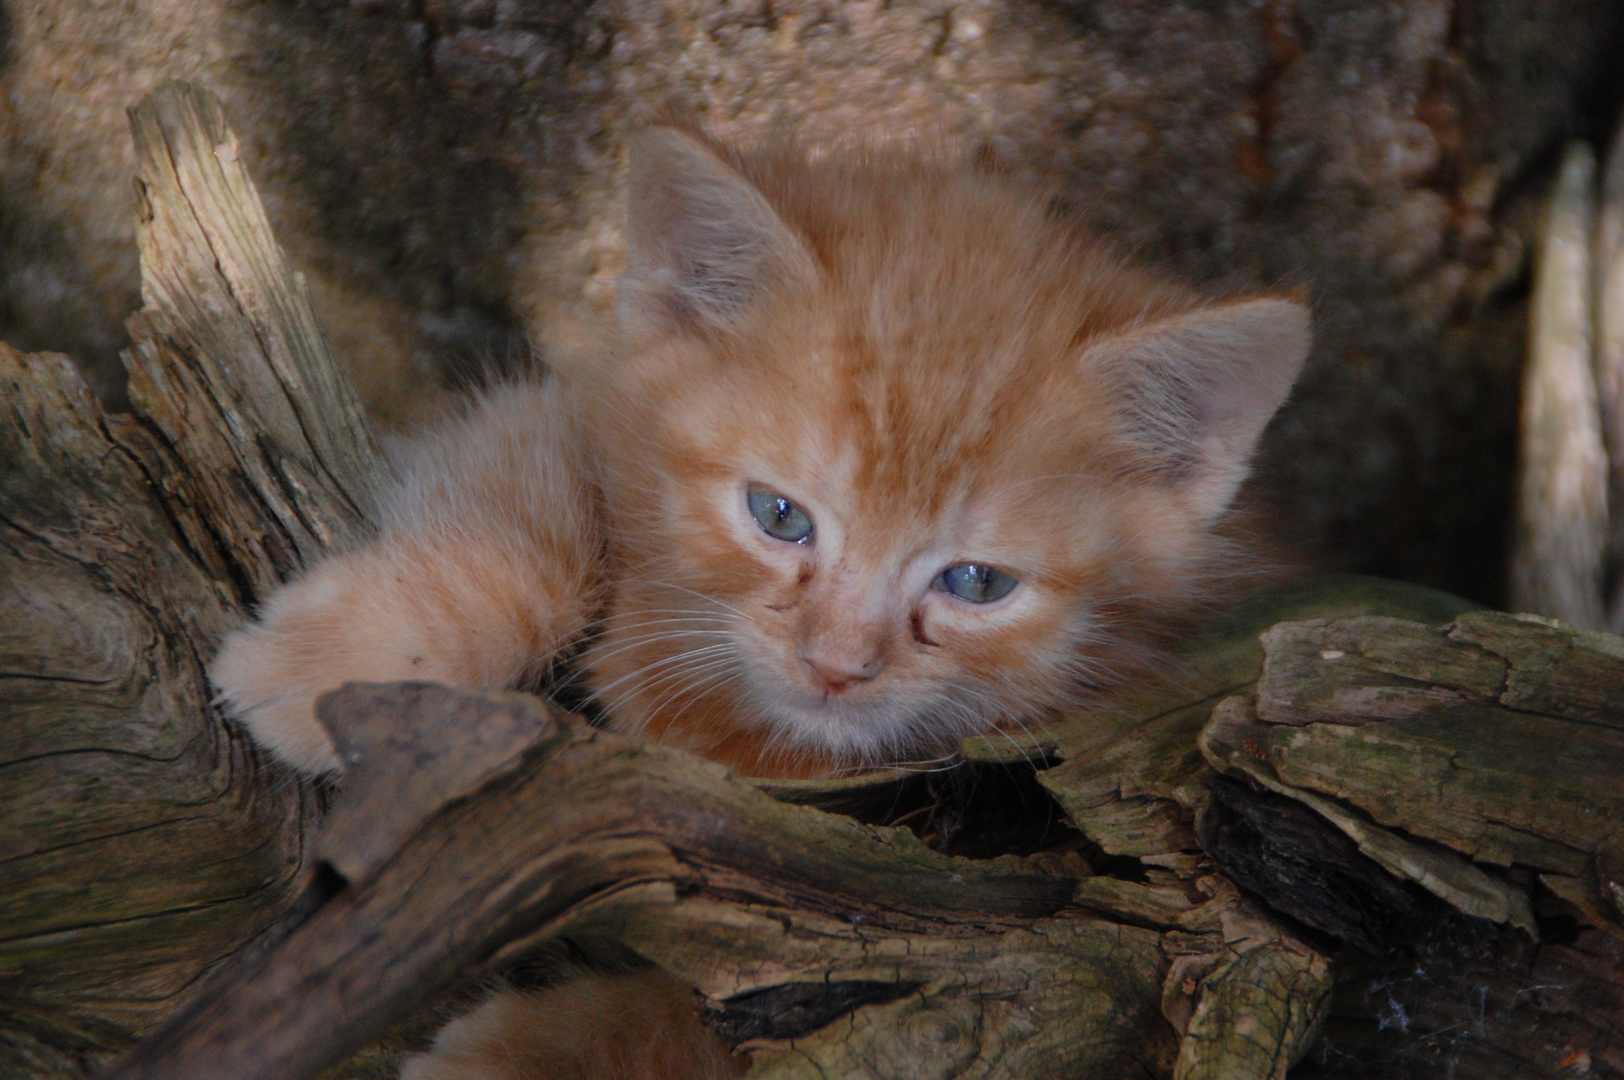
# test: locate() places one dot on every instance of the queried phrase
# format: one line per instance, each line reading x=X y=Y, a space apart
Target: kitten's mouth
x=882 y=724
x=853 y=697
x=854 y=691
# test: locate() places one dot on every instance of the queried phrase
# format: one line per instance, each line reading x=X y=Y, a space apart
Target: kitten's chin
x=910 y=725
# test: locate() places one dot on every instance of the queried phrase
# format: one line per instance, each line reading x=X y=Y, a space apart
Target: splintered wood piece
x=1259 y=1011
x=1236 y=742
x=1499 y=736
x=228 y=362
x=1356 y=671
x=407 y=751
x=1561 y=527
x=1446 y=777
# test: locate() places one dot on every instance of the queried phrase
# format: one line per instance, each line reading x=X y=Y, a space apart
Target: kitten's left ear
x=702 y=242
x=1198 y=389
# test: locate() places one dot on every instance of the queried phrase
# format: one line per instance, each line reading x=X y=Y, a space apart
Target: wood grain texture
x=1505 y=745
x=143 y=843
x=228 y=363
x=593 y=836
x=1477 y=761
x=146 y=842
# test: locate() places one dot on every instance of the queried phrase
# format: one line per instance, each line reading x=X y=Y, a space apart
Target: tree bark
x=1476 y=763
x=1350 y=822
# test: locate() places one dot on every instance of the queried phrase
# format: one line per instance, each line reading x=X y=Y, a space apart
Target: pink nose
x=834 y=673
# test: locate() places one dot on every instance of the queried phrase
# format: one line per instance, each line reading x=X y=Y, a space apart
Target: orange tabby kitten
x=881 y=454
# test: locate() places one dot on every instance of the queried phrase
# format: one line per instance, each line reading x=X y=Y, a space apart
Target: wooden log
x=579 y=820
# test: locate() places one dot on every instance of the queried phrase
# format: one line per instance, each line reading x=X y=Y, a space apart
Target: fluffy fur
x=560 y=1034
x=925 y=360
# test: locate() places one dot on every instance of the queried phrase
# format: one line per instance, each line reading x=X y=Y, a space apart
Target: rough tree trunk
x=1386 y=833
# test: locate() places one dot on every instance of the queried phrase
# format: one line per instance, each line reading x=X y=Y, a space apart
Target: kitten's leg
x=485 y=570
x=634 y=1026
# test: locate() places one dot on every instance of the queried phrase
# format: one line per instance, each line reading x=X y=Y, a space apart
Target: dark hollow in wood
x=1304 y=868
x=791 y=1010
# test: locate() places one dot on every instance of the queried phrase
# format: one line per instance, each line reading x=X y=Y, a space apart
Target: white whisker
x=693 y=592
x=657 y=664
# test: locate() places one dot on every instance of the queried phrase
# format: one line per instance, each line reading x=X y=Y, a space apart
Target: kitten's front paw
x=263 y=684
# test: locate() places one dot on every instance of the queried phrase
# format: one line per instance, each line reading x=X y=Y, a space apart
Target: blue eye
x=976 y=583
x=778 y=517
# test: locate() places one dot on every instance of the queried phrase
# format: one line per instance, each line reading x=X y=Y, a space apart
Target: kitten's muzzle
x=832 y=672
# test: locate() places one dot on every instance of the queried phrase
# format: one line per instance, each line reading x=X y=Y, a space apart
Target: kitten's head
x=891 y=455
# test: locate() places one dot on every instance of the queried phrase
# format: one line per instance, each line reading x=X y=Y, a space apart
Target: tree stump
x=1355 y=829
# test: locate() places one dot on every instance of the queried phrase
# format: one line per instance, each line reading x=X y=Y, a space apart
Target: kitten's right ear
x=702 y=242
x=1196 y=390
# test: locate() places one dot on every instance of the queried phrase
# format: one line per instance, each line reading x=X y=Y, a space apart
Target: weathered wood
x=583 y=817
x=1131 y=774
x=228 y=363
x=1511 y=756
x=1354 y=671
x=1477 y=760
x=144 y=842
x=590 y=834
x=1561 y=527
x=772 y=906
